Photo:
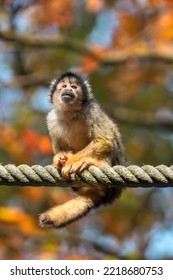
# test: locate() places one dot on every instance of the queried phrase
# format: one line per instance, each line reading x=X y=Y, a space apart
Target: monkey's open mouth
x=67 y=96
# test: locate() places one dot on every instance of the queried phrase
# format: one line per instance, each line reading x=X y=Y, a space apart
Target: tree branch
x=34 y=79
x=111 y=58
x=148 y=119
x=47 y=42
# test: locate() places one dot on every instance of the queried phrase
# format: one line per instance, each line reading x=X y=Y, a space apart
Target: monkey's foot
x=54 y=218
x=45 y=221
x=72 y=165
x=48 y=220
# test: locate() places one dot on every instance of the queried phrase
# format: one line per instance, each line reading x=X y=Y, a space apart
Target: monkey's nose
x=67 y=95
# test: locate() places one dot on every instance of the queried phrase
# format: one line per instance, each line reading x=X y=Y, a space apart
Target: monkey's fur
x=81 y=135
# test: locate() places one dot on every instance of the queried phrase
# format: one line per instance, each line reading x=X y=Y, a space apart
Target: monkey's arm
x=99 y=151
x=94 y=154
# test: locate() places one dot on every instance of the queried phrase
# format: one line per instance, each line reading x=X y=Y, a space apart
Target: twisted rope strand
x=131 y=176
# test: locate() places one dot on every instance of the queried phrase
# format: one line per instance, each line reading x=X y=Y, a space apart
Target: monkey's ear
x=89 y=89
x=87 y=85
x=50 y=97
x=52 y=84
x=52 y=89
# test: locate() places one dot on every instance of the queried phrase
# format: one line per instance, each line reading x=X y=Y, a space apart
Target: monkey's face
x=68 y=92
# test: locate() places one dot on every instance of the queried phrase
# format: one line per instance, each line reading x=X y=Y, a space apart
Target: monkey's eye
x=64 y=86
x=74 y=86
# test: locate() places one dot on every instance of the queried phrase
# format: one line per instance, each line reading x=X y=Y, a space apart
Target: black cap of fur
x=84 y=85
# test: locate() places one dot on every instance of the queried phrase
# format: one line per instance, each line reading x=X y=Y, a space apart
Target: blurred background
x=125 y=50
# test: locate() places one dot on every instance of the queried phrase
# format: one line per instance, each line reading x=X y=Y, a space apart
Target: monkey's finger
x=75 y=166
x=84 y=166
x=66 y=171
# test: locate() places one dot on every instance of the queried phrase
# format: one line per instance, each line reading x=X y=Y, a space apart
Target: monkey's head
x=69 y=89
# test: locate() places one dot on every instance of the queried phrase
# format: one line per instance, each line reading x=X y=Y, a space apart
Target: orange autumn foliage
x=89 y=63
x=35 y=142
x=94 y=6
x=33 y=194
x=12 y=143
x=15 y=216
x=161 y=3
x=23 y=145
x=56 y=12
x=164 y=23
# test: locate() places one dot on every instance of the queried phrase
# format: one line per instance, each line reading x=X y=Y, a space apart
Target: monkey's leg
x=60 y=216
x=90 y=198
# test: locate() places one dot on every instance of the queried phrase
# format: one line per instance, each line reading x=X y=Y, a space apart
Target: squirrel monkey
x=81 y=135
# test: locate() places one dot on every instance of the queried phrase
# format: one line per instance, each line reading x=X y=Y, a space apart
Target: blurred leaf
x=12 y=143
x=90 y=64
x=44 y=145
x=36 y=143
x=11 y=215
x=33 y=194
x=94 y=6
x=18 y=217
x=129 y=25
x=57 y=12
x=161 y=3
x=164 y=23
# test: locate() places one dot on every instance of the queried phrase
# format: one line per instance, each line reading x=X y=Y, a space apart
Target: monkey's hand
x=75 y=164
x=60 y=159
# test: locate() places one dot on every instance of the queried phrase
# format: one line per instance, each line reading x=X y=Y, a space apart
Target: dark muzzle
x=67 y=95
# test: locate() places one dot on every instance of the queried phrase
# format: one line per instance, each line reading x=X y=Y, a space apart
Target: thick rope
x=131 y=176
